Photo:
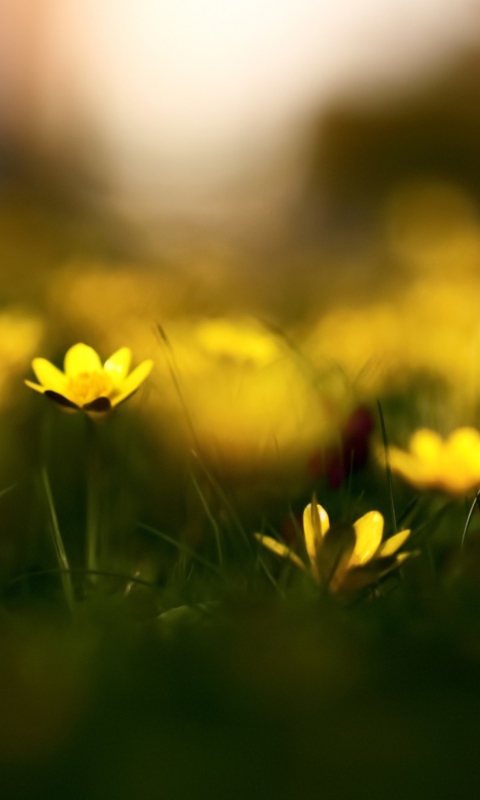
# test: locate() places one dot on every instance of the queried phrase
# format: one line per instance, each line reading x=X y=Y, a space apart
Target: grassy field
x=173 y=623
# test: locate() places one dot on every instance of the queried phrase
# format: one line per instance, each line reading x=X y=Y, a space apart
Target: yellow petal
x=403 y=557
x=279 y=549
x=368 y=536
x=464 y=442
x=390 y=546
x=117 y=366
x=48 y=375
x=463 y=458
x=315 y=524
x=81 y=359
x=426 y=445
x=133 y=381
x=409 y=468
x=35 y=386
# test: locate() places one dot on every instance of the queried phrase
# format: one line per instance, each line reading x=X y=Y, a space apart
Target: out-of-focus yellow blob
x=430 y=327
x=429 y=323
x=365 y=342
x=252 y=404
x=451 y=465
x=239 y=342
x=426 y=446
x=20 y=336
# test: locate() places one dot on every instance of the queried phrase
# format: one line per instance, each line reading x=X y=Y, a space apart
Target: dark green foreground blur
x=244 y=699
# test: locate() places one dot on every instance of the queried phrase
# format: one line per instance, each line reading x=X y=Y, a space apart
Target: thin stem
x=92 y=472
x=210 y=517
x=58 y=544
x=183 y=548
x=224 y=499
x=469 y=519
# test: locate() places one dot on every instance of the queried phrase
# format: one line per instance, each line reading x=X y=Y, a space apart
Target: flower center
x=87 y=386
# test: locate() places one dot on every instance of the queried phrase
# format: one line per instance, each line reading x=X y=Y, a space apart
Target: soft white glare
x=185 y=91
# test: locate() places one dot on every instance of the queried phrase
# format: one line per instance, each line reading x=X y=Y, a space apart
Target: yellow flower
x=344 y=558
x=452 y=465
x=86 y=384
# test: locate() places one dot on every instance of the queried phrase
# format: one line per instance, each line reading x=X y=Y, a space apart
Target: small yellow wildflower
x=451 y=465
x=344 y=558
x=86 y=384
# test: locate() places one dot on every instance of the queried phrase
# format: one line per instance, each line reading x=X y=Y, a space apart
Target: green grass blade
x=58 y=543
x=469 y=519
x=210 y=517
x=181 y=546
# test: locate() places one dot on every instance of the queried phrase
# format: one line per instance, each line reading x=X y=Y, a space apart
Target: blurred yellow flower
x=344 y=558
x=237 y=341
x=257 y=413
x=452 y=465
x=86 y=384
x=20 y=335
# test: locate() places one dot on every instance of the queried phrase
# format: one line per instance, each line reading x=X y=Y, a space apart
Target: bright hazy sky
x=188 y=89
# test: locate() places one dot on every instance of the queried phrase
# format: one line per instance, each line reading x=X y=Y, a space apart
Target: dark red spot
x=351 y=453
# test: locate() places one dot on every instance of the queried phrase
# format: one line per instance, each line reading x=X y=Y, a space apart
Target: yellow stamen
x=87 y=386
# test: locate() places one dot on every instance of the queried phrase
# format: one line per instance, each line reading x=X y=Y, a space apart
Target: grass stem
x=58 y=544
